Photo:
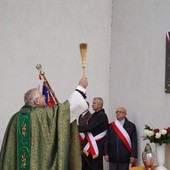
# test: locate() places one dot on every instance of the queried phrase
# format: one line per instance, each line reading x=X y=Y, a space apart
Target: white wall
x=138 y=64
x=49 y=32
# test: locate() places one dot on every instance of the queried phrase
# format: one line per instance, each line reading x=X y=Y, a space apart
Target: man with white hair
x=93 y=135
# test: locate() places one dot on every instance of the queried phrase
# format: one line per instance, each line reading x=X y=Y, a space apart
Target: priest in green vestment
x=43 y=138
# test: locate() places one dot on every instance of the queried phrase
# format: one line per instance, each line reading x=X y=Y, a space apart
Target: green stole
x=23 y=141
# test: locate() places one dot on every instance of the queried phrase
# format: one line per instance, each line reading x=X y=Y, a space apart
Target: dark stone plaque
x=167 y=64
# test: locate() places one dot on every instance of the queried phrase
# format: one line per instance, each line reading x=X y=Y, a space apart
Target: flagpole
x=42 y=73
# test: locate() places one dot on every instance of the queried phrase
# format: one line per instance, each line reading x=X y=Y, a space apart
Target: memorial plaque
x=167 y=64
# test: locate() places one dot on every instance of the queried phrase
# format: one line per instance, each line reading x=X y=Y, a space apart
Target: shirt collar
x=122 y=122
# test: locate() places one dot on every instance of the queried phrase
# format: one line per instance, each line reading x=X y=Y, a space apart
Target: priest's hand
x=83 y=82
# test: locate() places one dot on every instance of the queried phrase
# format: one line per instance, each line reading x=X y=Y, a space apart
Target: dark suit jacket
x=115 y=148
x=98 y=123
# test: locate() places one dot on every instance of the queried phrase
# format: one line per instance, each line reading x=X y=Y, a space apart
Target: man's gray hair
x=99 y=99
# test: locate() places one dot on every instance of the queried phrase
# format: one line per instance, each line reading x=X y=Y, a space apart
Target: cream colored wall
x=138 y=64
x=49 y=32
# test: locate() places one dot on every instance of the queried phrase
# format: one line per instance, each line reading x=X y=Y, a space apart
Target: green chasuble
x=50 y=141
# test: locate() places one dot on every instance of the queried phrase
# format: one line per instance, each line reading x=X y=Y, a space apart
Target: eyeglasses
x=120 y=111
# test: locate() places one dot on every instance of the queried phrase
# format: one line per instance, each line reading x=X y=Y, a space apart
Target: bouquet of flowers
x=159 y=136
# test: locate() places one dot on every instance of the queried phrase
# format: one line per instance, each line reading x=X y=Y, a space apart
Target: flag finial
x=53 y=99
x=39 y=68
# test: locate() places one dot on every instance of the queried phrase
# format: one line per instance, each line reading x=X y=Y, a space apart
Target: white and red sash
x=81 y=137
x=123 y=135
x=91 y=146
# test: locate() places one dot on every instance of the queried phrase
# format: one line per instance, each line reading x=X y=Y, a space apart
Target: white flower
x=163 y=132
x=157 y=135
x=149 y=132
x=146 y=131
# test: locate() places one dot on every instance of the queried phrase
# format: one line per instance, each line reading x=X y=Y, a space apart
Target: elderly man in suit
x=121 y=142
